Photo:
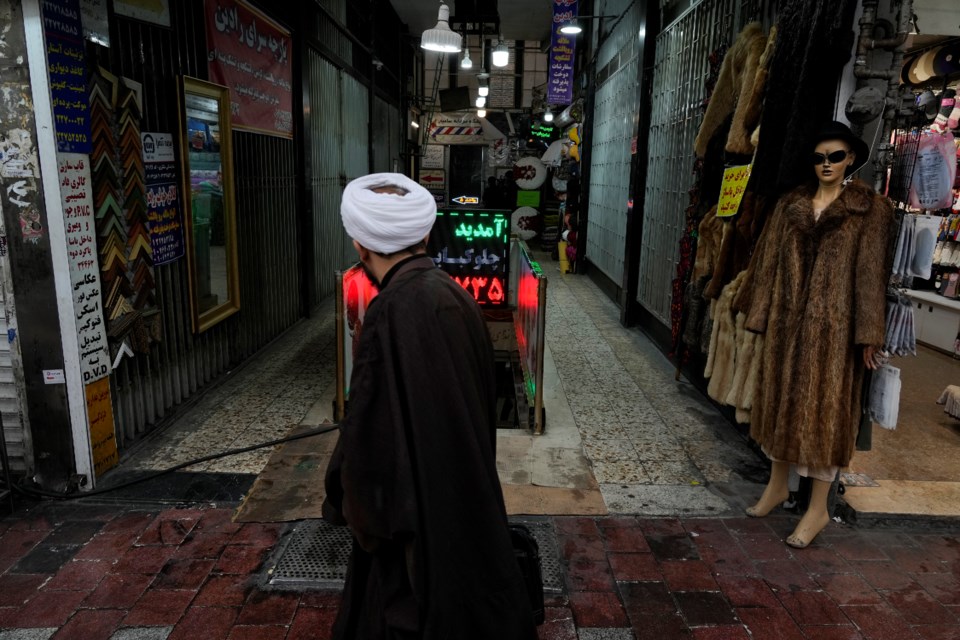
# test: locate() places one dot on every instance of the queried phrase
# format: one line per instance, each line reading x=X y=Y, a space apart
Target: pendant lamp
x=441 y=38
x=501 y=55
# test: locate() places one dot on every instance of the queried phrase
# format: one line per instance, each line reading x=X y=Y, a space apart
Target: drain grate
x=315 y=555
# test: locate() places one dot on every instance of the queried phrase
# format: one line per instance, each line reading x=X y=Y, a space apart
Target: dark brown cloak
x=414 y=473
x=816 y=289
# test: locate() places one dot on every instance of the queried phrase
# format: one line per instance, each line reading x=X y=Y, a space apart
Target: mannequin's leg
x=816 y=517
x=776 y=492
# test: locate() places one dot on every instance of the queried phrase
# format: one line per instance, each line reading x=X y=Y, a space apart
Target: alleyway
x=673 y=559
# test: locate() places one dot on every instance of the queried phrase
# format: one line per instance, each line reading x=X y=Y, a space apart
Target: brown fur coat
x=816 y=290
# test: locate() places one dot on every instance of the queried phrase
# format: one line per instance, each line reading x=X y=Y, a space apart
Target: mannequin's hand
x=869 y=357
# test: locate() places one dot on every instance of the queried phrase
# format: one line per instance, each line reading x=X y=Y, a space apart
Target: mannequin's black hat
x=838 y=131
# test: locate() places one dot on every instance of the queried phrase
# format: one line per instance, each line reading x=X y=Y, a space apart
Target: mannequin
x=816 y=288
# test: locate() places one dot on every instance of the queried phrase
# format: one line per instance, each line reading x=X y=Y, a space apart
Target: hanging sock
x=948 y=104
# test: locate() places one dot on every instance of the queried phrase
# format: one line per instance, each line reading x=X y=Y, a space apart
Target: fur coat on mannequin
x=816 y=290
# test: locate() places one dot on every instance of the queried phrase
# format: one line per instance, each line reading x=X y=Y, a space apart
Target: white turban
x=387 y=222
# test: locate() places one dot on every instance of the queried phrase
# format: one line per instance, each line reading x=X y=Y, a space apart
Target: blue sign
x=563 y=48
x=68 y=75
x=163 y=212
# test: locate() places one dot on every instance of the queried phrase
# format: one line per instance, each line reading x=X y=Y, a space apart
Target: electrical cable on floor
x=38 y=493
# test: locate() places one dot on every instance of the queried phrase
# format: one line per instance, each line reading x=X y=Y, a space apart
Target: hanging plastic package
x=925 y=233
x=935 y=171
x=884 y=405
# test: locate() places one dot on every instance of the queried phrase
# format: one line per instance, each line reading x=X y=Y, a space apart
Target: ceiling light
x=571 y=28
x=441 y=37
x=466 y=63
x=501 y=55
x=483 y=90
x=548 y=115
x=481 y=102
x=481 y=113
x=414 y=124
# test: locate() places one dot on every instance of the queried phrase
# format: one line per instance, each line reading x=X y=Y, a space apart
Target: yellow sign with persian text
x=103 y=439
x=732 y=189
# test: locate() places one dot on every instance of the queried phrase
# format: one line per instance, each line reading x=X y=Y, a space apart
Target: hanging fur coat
x=816 y=290
x=734 y=88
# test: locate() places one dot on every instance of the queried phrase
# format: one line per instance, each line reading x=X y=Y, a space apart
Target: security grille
x=315 y=554
x=678 y=90
x=615 y=114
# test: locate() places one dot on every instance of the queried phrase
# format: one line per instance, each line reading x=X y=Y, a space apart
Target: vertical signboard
x=76 y=194
x=68 y=75
x=562 y=50
x=103 y=439
x=163 y=202
x=250 y=54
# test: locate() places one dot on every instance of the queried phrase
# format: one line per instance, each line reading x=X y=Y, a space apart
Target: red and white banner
x=250 y=53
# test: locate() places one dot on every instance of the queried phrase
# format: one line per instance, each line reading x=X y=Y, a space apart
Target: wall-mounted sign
x=732 y=189
x=251 y=55
x=433 y=179
x=68 y=75
x=163 y=201
x=562 y=50
x=93 y=14
x=456 y=128
x=466 y=200
x=473 y=247
x=103 y=439
x=543 y=131
x=76 y=193
x=432 y=157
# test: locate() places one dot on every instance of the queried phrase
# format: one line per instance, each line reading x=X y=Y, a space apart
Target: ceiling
x=519 y=19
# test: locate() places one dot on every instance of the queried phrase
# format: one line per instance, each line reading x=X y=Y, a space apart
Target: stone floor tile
x=18 y=589
x=664 y=627
x=240 y=559
x=159 y=607
x=206 y=623
x=688 y=575
x=45 y=558
x=746 y=591
x=725 y=632
x=680 y=472
x=728 y=561
x=848 y=589
x=50 y=608
x=647 y=599
x=919 y=607
x=673 y=547
x=701 y=608
x=224 y=591
x=879 y=622
x=937 y=631
x=183 y=574
x=662 y=500
x=823 y=560
x=27 y=634
x=786 y=575
x=883 y=574
x=837 y=632
x=134 y=522
x=79 y=575
x=769 y=623
x=945 y=587
x=88 y=624
x=311 y=623
x=917 y=560
x=598 y=609
x=634 y=567
x=858 y=548
x=78 y=532
x=573 y=526
x=258 y=632
x=631 y=472
x=764 y=546
x=269 y=608
x=625 y=539
x=812 y=608
x=142 y=633
x=16 y=543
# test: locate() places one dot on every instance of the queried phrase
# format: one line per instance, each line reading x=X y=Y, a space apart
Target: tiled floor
x=85 y=572
x=656 y=446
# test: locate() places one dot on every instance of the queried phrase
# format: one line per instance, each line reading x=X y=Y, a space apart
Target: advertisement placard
x=562 y=51
x=66 y=63
x=163 y=200
x=250 y=53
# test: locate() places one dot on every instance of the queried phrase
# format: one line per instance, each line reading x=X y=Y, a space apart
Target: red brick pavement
x=192 y=573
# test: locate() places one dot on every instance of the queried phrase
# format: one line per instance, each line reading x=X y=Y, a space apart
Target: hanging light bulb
x=548 y=115
x=481 y=113
x=501 y=55
x=481 y=102
x=572 y=27
x=441 y=37
x=466 y=63
x=483 y=89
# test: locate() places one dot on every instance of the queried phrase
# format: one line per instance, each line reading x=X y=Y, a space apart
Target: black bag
x=527 y=551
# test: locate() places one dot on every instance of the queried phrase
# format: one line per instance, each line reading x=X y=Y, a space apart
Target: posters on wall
x=163 y=201
x=251 y=55
x=103 y=439
x=155 y=11
x=562 y=50
x=68 y=75
x=76 y=193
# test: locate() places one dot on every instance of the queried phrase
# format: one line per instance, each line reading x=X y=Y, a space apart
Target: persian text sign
x=103 y=439
x=163 y=202
x=732 y=188
x=68 y=75
x=76 y=192
x=250 y=54
x=473 y=248
x=562 y=50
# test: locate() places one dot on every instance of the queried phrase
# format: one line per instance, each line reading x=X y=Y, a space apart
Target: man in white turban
x=414 y=473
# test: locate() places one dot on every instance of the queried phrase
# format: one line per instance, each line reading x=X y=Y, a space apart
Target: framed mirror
x=209 y=202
